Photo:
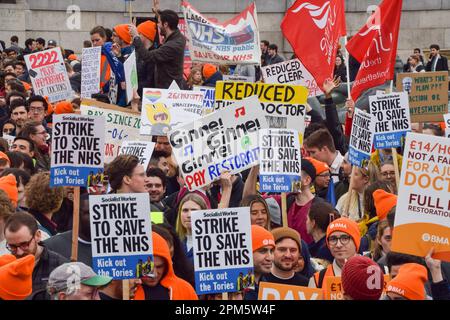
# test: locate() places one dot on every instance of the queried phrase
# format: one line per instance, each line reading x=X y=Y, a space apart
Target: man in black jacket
x=436 y=62
x=169 y=57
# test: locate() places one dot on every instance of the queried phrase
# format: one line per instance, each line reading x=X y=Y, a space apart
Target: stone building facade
x=423 y=21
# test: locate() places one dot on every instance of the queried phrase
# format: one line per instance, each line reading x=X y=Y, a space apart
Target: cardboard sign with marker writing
x=428 y=94
x=121 y=124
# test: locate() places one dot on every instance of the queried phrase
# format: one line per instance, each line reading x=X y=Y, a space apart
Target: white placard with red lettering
x=48 y=74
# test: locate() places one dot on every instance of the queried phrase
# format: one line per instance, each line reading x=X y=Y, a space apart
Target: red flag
x=375 y=47
x=313 y=29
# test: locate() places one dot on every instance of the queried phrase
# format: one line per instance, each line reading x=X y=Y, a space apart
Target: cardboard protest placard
x=428 y=94
x=121 y=232
x=48 y=74
x=131 y=76
x=423 y=210
x=141 y=149
x=121 y=124
x=236 y=77
x=90 y=71
x=276 y=291
x=78 y=147
x=209 y=98
x=280 y=163
x=291 y=72
x=334 y=290
x=233 y=42
x=392 y=120
x=226 y=140
x=222 y=245
x=361 y=138
x=284 y=105
x=165 y=109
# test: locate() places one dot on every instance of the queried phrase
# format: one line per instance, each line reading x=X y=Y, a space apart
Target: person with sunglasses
x=343 y=240
x=23 y=238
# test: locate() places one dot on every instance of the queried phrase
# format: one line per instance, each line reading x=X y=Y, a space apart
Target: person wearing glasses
x=343 y=240
x=387 y=174
x=23 y=238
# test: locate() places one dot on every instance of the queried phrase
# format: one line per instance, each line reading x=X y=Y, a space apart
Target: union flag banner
x=375 y=47
x=313 y=29
x=233 y=42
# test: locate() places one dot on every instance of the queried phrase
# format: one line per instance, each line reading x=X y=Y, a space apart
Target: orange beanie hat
x=209 y=70
x=345 y=225
x=9 y=185
x=320 y=166
x=409 y=282
x=261 y=238
x=63 y=107
x=384 y=202
x=5 y=157
x=72 y=57
x=16 y=277
x=148 y=29
x=123 y=31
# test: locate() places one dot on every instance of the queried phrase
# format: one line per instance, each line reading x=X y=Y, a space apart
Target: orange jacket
x=105 y=71
x=179 y=289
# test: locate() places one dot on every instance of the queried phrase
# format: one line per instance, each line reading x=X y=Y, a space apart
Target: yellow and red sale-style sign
x=275 y=291
x=422 y=218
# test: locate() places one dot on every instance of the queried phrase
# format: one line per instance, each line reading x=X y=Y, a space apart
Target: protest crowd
x=246 y=203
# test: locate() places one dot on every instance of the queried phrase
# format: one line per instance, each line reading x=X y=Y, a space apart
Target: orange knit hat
x=261 y=238
x=209 y=70
x=345 y=225
x=320 y=166
x=72 y=57
x=384 y=202
x=148 y=29
x=9 y=185
x=16 y=277
x=123 y=32
x=63 y=107
x=5 y=157
x=409 y=282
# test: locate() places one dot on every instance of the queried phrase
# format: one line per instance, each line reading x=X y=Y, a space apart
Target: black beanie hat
x=308 y=167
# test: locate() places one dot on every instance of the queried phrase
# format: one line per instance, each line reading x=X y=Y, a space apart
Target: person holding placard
x=165 y=285
x=343 y=240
